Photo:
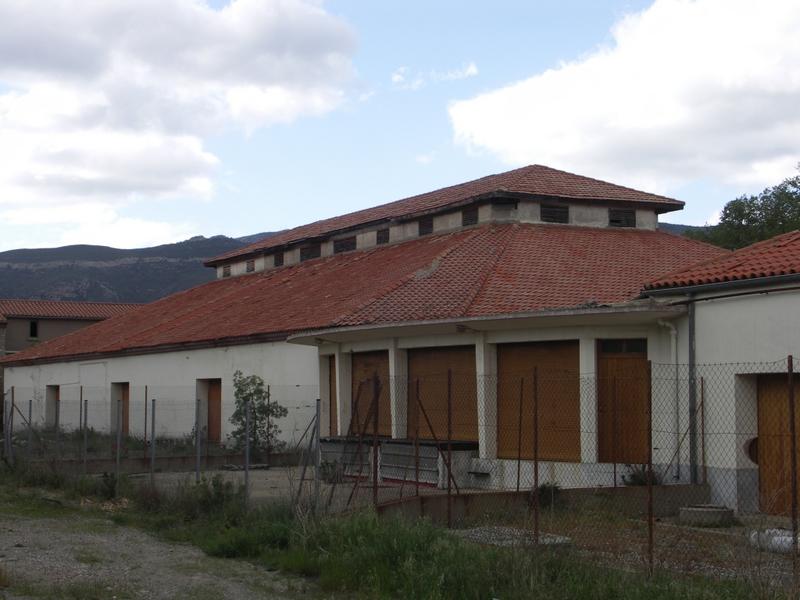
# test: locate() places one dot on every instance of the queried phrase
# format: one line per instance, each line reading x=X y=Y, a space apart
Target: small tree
x=264 y=414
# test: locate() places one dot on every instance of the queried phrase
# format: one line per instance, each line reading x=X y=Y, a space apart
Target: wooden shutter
x=334 y=415
x=364 y=367
x=214 y=411
x=558 y=400
x=622 y=401
x=428 y=368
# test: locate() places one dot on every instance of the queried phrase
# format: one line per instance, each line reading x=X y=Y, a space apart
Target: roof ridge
x=509 y=232
x=411 y=276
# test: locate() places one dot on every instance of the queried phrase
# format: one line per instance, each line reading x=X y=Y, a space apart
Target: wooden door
x=125 y=405
x=774 y=443
x=332 y=404
x=557 y=397
x=623 y=401
x=214 y=423
x=427 y=373
x=364 y=366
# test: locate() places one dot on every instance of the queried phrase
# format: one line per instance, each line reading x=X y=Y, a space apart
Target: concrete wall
x=17 y=331
x=171 y=378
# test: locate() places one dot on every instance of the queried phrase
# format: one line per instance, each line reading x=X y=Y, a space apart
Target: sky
x=137 y=122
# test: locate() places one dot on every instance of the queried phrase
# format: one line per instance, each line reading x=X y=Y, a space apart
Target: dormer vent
x=469 y=216
x=554 y=213
x=426 y=225
x=277 y=259
x=309 y=252
x=344 y=245
x=382 y=236
x=621 y=217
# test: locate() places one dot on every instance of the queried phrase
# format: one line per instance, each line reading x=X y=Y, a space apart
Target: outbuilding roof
x=534 y=180
x=771 y=258
x=493 y=269
x=58 y=309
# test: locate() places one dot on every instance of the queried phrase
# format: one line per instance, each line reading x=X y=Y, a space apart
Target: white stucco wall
x=291 y=371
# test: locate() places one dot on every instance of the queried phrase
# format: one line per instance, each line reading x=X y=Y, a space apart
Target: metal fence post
x=153 y=443
x=10 y=424
x=650 y=516
x=416 y=439
x=30 y=429
x=145 y=422
x=85 y=402
x=247 y=452
x=197 y=440
x=58 y=427
x=376 y=392
x=535 y=455
x=449 y=448
x=119 y=442
x=269 y=436
x=519 y=429
x=793 y=442
x=317 y=456
x=614 y=426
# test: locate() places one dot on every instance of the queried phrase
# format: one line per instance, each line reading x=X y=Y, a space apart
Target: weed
x=87 y=557
x=5 y=578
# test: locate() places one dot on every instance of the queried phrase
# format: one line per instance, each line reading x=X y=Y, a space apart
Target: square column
x=486 y=373
x=398 y=389
x=588 y=383
x=344 y=389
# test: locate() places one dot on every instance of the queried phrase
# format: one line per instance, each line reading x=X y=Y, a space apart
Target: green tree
x=750 y=219
x=264 y=413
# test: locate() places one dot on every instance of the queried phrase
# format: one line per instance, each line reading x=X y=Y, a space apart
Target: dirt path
x=90 y=557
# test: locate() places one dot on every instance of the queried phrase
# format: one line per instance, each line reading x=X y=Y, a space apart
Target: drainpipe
x=692 y=394
x=673 y=335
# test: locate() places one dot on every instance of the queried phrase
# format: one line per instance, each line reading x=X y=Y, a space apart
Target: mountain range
x=104 y=274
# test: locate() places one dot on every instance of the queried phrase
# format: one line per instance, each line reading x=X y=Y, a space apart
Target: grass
x=362 y=555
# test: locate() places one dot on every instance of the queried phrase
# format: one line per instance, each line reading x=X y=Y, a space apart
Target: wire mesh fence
x=653 y=466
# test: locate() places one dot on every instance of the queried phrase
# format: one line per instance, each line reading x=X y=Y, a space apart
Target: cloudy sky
x=136 y=122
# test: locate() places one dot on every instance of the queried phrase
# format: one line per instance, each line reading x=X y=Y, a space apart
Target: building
x=483 y=283
x=25 y=323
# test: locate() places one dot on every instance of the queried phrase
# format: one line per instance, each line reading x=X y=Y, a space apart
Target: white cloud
x=425 y=158
x=689 y=89
x=465 y=72
x=109 y=103
x=403 y=79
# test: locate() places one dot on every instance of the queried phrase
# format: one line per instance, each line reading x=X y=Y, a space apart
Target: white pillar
x=588 y=368
x=343 y=389
x=398 y=388
x=486 y=373
x=325 y=394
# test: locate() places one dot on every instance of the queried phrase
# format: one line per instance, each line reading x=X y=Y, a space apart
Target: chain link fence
x=692 y=469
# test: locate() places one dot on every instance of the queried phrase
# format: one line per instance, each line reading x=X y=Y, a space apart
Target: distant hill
x=104 y=274
x=681 y=229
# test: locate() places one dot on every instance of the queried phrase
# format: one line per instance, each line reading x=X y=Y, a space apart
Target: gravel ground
x=91 y=557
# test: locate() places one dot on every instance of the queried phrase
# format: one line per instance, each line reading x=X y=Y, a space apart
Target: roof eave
x=636 y=307
x=720 y=285
x=659 y=207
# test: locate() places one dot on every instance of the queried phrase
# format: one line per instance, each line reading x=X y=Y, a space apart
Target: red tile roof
x=776 y=256
x=532 y=180
x=484 y=271
x=56 y=309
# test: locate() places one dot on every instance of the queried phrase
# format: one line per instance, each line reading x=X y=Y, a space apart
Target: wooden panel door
x=214 y=423
x=332 y=405
x=622 y=401
x=125 y=395
x=774 y=443
x=427 y=373
x=558 y=400
x=364 y=366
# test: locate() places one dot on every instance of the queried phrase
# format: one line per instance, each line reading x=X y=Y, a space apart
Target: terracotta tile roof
x=56 y=309
x=533 y=180
x=484 y=271
x=776 y=256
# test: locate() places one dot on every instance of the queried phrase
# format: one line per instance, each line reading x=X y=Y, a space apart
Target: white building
x=487 y=281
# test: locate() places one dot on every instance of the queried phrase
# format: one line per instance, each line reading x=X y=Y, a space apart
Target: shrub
x=638 y=475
